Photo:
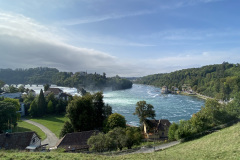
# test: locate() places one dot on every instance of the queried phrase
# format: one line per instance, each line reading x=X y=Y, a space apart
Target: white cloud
x=25 y=43
x=183 y=61
x=101 y=18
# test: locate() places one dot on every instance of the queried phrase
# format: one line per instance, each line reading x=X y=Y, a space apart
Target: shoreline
x=203 y=97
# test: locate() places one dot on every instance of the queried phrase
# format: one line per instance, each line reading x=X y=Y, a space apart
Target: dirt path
x=160 y=147
x=51 y=139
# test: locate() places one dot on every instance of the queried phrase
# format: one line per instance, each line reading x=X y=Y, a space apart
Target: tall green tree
x=134 y=136
x=42 y=105
x=115 y=120
x=50 y=107
x=101 y=142
x=67 y=128
x=33 y=110
x=81 y=113
x=84 y=112
x=16 y=103
x=118 y=135
x=27 y=99
x=99 y=108
x=8 y=116
x=172 y=130
x=46 y=87
x=144 y=111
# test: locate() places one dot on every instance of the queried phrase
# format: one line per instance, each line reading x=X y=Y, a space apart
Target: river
x=167 y=106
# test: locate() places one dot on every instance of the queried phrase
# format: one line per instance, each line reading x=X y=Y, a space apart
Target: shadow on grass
x=21 y=129
x=53 y=118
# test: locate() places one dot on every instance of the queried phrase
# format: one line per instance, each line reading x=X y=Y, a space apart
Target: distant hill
x=45 y=75
x=221 y=81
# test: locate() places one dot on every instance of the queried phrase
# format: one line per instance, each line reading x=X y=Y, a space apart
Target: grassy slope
x=53 y=123
x=223 y=144
x=25 y=127
x=220 y=145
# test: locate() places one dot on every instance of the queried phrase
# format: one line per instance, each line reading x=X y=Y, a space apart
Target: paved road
x=160 y=147
x=51 y=139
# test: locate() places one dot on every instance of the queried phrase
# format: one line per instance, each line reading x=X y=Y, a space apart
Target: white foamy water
x=169 y=106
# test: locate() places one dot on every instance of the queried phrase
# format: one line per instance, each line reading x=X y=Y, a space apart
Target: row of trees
x=221 y=81
x=40 y=105
x=44 y=75
x=117 y=138
x=211 y=115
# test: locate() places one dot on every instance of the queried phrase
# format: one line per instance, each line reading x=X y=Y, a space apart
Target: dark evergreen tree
x=42 y=105
x=99 y=109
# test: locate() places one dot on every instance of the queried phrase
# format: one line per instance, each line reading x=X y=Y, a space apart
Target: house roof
x=158 y=124
x=56 y=91
x=76 y=140
x=19 y=140
x=64 y=95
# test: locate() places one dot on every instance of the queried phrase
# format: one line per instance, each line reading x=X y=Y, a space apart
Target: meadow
x=223 y=144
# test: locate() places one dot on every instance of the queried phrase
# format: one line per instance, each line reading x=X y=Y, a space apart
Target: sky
x=127 y=38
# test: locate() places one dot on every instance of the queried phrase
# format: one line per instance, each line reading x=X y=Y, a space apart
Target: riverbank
x=205 y=97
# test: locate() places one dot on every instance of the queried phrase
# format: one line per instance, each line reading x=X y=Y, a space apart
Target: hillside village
x=77 y=141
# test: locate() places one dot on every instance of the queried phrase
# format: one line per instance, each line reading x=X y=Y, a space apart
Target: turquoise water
x=171 y=107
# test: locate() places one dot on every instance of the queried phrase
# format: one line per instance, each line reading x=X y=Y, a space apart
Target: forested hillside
x=46 y=75
x=221 y=81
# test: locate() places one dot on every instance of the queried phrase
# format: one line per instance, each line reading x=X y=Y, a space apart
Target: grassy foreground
x=25 y=127
x=54 y=122
x=223 y=144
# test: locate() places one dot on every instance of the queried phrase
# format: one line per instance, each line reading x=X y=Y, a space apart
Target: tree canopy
x=117 y=138
x=8 y=116
x=87 y=112
x=144 y=111
x=211 y=115
x=115 y=120
x=45 y=75
x=221 y=81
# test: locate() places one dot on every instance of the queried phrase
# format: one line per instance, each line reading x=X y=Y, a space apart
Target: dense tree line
x=40 y=105
x=117 y=138
x=44 y=75
x=211 y=115
x=221 y=81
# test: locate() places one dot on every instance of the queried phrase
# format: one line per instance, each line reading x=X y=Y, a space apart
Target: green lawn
x=54 y=122
x=25 y=127
x=223 y=144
